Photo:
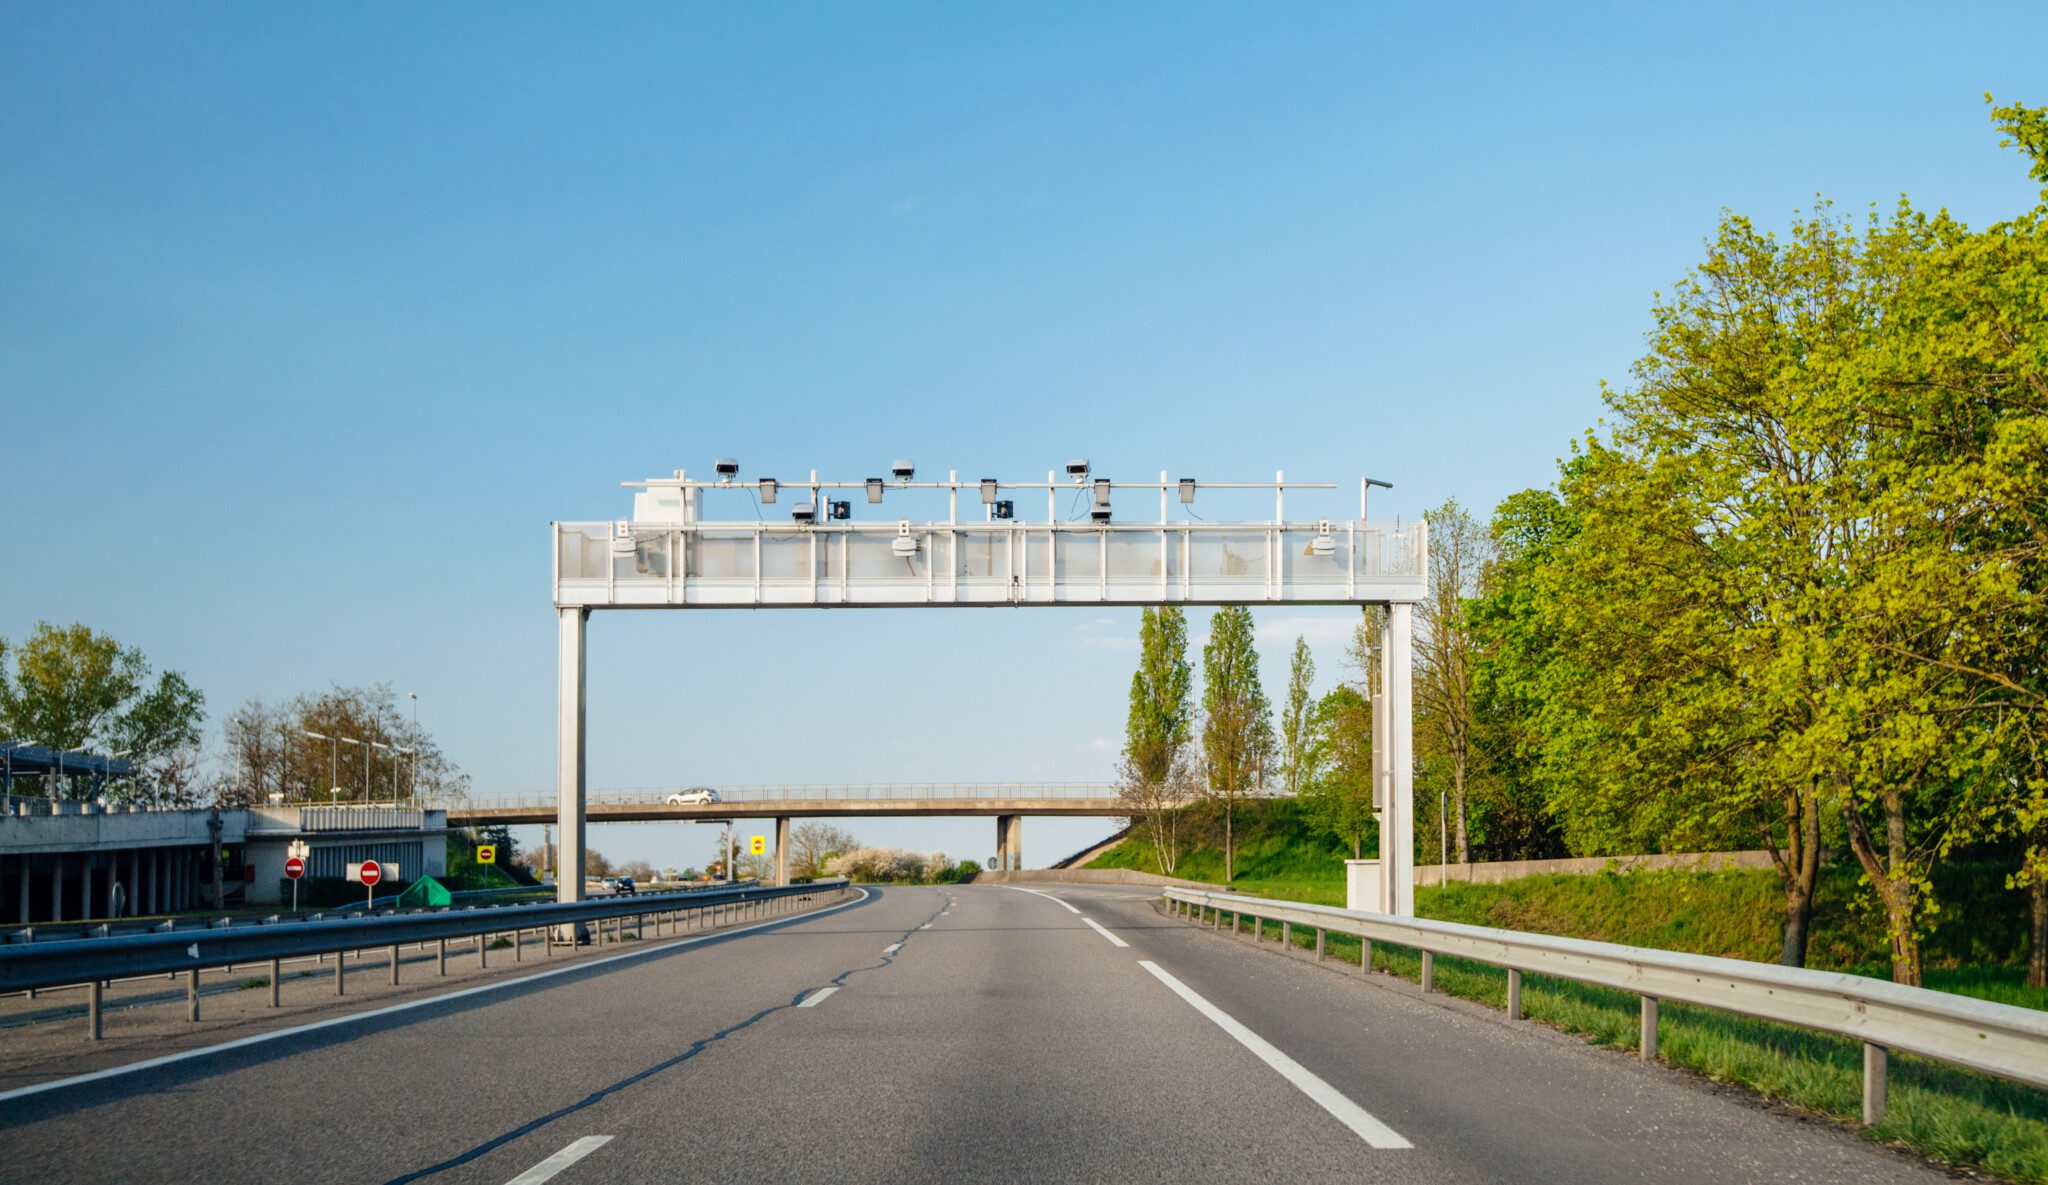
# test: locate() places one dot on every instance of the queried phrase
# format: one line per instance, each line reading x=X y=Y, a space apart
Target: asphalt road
x=980 y=1032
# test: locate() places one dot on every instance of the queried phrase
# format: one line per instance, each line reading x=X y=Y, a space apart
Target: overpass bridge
x=1008 y=802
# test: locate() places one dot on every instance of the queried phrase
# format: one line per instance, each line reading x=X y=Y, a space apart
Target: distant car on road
x=625 y=887
x=611 y=883
x=695 y=796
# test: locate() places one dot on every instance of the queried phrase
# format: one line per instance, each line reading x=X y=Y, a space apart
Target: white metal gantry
x=669 y=555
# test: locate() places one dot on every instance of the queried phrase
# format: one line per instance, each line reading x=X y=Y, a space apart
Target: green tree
x=73 y=687
x=1153 y=777
x=1237 y=720
x=1339 y=799
x=1301 y=753
x=1445 y=660
x=812 y=843
x=1162 y=693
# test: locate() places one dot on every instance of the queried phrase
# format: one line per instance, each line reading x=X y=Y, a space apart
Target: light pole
x=413 y=752
x=366 y=768
x=56 y=787
x=116 y=756
x=333 y=764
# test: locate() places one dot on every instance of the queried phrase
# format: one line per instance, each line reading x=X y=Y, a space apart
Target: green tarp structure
x=426 y=891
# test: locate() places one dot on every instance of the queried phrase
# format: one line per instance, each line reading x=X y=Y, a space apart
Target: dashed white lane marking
x=8 y=1096
x=816 y=998
x=926 y=926
x=1348 y=1113
x=560 y=1160
x=1047 y=896
x=1113 y=939
x=892 y=948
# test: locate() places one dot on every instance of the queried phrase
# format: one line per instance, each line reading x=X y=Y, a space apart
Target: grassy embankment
x=1968 y=1120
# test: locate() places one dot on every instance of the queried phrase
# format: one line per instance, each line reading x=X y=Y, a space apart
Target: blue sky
x=312 y=318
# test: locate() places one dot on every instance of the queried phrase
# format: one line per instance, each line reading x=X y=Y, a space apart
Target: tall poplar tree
x=1237 y=720
x=1301 y=742
x=1154 y=775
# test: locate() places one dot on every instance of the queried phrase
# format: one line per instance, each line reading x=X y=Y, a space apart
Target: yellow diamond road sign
x=487 y=853
x=758 y=845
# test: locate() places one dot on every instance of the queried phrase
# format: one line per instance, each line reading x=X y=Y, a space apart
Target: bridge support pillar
x=1009 y=843
x=570 y=718
x=782 y=849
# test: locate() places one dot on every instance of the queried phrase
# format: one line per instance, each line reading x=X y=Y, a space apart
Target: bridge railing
x=878 y=792
x=94 y=962
x=2000 y=1039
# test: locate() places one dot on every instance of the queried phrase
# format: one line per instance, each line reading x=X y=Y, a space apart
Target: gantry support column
x=569 y=764
x=782 y=849
x=1397 y=835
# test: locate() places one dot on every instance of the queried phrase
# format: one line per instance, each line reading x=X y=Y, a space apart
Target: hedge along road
x=929 y=1034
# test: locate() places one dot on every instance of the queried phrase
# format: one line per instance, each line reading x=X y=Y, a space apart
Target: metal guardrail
x=2000 y=1039
x=95 y=961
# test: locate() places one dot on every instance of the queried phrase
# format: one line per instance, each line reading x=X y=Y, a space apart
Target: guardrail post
x=92 y=1010
x=441 y=960
x=518 y=945
x=276 y=983
x=1647 y=1049
x=340 y=972
x=1514 y=994
x=483 y=951
x=1428 y=971
x=192 y=994
x=1233 y=923
x=1875 y=1079
x=1365 y=956
x=1287 y=937
x=394 y=966
x=1319 y=944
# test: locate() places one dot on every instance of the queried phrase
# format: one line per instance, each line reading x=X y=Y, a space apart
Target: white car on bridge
x=695 y=796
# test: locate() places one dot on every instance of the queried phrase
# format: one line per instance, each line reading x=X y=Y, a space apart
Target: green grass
x=1968 y=1120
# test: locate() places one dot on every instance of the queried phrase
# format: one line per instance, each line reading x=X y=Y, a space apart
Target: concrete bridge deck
x=808 y=802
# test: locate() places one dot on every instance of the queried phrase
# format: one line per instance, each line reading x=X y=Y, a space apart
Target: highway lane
x=979 y=1031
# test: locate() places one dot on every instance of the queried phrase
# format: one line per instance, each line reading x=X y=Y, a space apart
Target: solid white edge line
x=560 y=1160
x=1113 y=939
x=1047 y=896
x=405 y=1006
x=818 y=997
x=1348 y=1113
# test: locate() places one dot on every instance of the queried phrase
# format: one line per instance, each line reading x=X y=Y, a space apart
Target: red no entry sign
x=295 y=868
x=371 y=873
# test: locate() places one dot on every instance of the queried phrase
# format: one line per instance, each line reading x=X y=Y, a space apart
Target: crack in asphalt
x=695 y=1047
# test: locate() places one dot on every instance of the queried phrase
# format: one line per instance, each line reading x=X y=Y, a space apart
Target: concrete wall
x=113 y=830
x=1495 y=871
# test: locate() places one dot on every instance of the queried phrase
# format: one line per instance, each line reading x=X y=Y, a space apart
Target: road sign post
x=369 y=872
x=296 y=853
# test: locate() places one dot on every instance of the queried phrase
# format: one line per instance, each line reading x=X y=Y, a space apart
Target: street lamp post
x=116 y=756
x=57 y=786
x=366 y=768
x=333 y=761
x=413 y=752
